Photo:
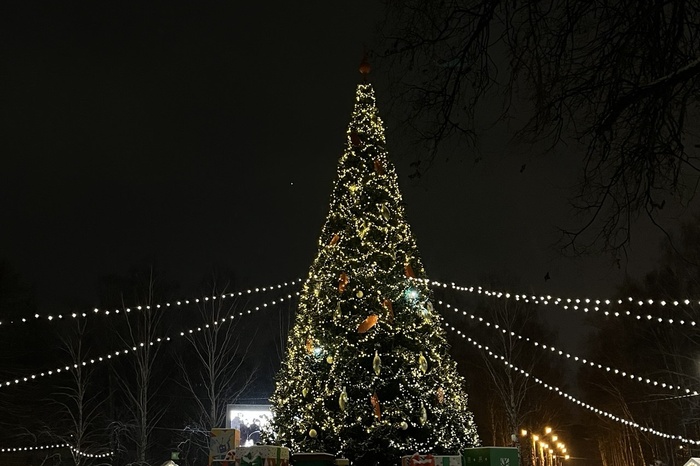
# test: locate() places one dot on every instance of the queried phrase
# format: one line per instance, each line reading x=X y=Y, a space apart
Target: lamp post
x=546 y=449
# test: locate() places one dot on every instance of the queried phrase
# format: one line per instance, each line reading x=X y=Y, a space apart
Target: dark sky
x=206 y=136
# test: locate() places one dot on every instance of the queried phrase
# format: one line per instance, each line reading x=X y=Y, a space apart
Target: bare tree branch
x=619 y=78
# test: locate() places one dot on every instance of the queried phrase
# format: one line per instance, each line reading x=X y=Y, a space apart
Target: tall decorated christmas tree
x=367 y=372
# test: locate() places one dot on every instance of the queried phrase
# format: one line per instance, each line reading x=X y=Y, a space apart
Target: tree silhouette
x=620 y=78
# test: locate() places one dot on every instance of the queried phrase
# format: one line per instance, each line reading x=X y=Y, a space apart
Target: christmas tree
x=367 y=373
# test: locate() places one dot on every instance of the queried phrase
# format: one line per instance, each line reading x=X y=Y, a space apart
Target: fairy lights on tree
x=367 y=370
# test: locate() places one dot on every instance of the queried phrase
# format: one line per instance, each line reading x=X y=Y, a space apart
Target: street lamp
x=546 y=453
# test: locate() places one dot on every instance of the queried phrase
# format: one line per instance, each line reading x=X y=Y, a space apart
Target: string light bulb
x=178 y=303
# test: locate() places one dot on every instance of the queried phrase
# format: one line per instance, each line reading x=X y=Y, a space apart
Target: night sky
x=206 y=137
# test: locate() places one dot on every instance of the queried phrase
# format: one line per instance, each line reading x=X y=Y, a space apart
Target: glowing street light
x=546 y=448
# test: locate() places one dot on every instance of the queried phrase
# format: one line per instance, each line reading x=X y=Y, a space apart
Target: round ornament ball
x=359 y=294
x=329 y=359
x=404 y=425
x=313 y=433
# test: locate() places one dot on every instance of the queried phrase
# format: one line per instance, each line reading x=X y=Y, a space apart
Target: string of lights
x=569 y=397
x=109 y=356
x=604 y=306
x=580 y=360
x=56 y=447
x=166 y=305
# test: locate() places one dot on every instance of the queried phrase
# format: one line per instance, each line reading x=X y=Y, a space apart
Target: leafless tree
x=619 y=78
x=512 y=401
x=78 y=402
x=218 y=371
x=140 y=332
x=656 y=350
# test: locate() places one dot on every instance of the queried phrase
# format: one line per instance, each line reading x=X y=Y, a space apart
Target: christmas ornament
x=313 y=433
x=318 y=352
x=355 y=139
x=368 y=323
x=440 y=395
x=334 y=240
x=403 y=425
x=378 y=167
x=329 y=359
x=359 y=294
x=412 y=295
x=375 y=405
x=338 y=311
x=309 y=345
x=343 y=399
x=422 y=363
x=384 y=210
x=343 y=282
x=425 y=313
x=377 y=363
x=389 y=309
x=409 y=271
x=423 y=414
x=364 y=229
x=304 y=392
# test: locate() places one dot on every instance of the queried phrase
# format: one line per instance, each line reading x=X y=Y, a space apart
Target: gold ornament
x=343 y=400
x=377 y=363
x=423 y=414
x=364 y=229
x=422 y=363
x=329 y=359
x=384 y=210
x=338 y=310
x=313 y=433
x=359 y=294
x=304 y=392
x=403 y=425
x=368 y=323
x=309 y=345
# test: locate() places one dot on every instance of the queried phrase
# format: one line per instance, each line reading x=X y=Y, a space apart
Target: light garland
x=54 y=447
x=581 y=360
x=571 y=398
x=228 y=318
x=178 y=303
x=585 y=304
